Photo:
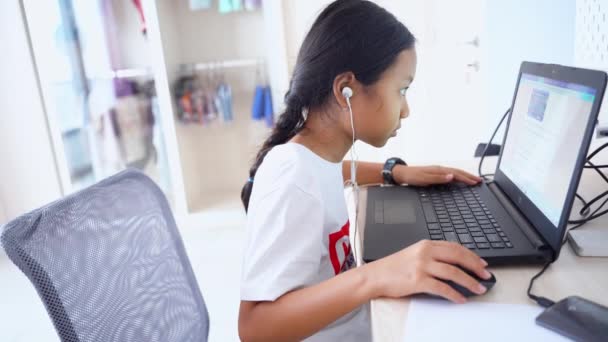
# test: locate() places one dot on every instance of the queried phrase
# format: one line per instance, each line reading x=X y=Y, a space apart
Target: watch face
x=387 y=172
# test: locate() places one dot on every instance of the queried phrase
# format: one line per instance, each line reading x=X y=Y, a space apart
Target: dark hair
x=349 y=35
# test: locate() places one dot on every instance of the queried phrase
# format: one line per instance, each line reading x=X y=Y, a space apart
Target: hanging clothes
x=132 y=118
x=268 y=110
x=224 y=93
x=257 y=110
x=212 y=112
x=198 y=106
x=252 y=5
x=188 y=107
x=228 y=6
x=237 y=5
x=196 y=5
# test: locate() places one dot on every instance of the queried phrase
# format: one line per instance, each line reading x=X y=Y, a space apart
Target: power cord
x=485 y=150
x=542 y=301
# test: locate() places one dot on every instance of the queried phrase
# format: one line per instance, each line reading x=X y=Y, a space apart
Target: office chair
x=109 y=264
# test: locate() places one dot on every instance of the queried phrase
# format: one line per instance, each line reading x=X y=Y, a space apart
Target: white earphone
x=347 y=92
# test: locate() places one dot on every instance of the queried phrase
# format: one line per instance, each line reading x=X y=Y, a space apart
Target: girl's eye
x=403 y=91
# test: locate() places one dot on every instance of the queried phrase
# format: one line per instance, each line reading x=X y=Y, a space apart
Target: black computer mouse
x=488 y=283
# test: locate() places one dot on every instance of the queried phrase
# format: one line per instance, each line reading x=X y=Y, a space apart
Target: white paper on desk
x=440 y=320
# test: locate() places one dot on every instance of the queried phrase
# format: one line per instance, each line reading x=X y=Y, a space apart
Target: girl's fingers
x=439 y=288
x=456 y=254
x=450 y=272
x=437 y=178
x=465 y=177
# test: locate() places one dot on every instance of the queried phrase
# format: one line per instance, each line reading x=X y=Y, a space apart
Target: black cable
x=542 y=301
x=485 y=150
x=585 y=209
x=592 y=166
x=593 y=215
x=597 y=150
x=596 y=167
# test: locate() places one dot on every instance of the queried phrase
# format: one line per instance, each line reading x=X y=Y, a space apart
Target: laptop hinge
x=526 y=227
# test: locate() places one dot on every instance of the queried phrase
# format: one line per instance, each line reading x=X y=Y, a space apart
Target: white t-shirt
x=298 y=234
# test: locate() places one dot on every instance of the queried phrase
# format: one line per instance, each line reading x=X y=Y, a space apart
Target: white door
x=446 y=99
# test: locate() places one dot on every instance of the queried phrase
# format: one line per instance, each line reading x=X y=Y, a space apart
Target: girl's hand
x=418 y=268
x=428 y=175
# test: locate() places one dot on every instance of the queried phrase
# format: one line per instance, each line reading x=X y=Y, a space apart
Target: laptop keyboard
x=457 y=213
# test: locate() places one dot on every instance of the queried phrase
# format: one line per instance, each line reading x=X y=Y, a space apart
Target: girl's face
x=381 y=106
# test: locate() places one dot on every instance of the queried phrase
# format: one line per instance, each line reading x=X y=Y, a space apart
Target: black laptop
x=520 y=216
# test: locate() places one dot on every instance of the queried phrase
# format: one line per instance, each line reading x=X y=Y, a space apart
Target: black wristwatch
x=387 y=171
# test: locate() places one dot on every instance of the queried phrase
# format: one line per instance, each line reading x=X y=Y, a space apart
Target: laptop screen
x=546 y=130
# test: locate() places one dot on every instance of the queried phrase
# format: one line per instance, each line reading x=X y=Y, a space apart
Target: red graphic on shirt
x=340 y=252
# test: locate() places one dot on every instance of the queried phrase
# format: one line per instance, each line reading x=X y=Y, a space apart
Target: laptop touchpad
x=400 y=211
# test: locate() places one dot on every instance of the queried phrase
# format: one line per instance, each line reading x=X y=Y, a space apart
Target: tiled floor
x=215 y=255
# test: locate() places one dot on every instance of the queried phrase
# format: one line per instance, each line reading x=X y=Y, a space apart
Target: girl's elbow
x=247 y=329
x=247 y=333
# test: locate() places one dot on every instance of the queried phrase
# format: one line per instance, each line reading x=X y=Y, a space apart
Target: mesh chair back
x=109 y=264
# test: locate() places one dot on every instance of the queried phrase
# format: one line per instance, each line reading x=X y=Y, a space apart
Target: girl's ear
x=346 y=79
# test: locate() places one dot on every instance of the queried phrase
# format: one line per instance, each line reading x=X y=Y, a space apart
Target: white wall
x=518 y=30
x=28 y=177
x=276 y=51
x=299 y=16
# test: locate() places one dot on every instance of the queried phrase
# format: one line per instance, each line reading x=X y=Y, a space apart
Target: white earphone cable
x=353 y=174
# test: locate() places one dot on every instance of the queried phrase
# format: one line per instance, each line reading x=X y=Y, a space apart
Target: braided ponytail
x=289 y=124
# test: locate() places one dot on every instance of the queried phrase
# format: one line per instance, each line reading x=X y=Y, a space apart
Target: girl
x=299 y=280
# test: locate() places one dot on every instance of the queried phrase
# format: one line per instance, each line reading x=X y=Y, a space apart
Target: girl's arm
x=301 y=313
x=371 y=173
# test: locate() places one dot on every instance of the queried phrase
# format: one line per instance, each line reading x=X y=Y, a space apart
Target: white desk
x=569 y=275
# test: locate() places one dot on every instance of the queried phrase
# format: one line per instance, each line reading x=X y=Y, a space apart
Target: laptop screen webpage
x=543 y=143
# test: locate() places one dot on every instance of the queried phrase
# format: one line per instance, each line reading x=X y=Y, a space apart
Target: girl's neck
x=323 y=134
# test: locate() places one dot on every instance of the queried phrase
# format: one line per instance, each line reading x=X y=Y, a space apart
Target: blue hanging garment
x=257 y=111
x=225 y=95
x=228 y=102
x=268 y=110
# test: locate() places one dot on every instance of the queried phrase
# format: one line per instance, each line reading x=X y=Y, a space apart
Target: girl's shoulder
x=287 y=165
